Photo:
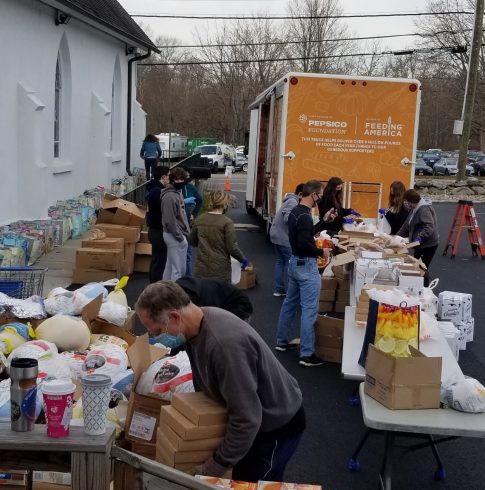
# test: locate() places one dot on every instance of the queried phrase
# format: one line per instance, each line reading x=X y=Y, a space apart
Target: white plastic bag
x=113 y=312
x=167 y=376
x=34 y=349
x=235 y=271
x=68 y=303
x=464 y=394
x=383 y=226
x=106 y=359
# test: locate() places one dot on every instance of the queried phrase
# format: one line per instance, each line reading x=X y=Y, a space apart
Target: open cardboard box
x=403 y=382
x=121 y=212
x=143 y=415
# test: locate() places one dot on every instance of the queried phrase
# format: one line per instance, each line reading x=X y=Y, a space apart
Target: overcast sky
x=185 y=29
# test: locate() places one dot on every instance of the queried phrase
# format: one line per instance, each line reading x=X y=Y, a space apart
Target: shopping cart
x=21 y=282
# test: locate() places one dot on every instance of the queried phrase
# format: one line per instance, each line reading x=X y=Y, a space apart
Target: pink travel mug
x=58 y=400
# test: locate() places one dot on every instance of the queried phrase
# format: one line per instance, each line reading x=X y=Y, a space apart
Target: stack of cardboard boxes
x=329 y=334
x=190 y=430
x=457 y=308
x=143 y=253
x=110 y=249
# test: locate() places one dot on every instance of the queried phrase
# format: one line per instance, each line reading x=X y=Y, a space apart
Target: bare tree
x=312 y=30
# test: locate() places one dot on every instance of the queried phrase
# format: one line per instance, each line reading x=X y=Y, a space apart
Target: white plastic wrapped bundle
x=67 y=332
x=464 y=394
x=167 y=376
x=75 y=361
x=34 y=349
x=113 y=312
x=107 y=359
x=67 y=302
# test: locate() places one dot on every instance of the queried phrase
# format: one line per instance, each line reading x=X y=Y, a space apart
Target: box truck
x=315 y=126
x=173 y=145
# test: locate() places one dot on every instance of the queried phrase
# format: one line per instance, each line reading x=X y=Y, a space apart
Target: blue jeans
x=304 y=283
x=283 y=255
x=188 y=267
x=267 y=458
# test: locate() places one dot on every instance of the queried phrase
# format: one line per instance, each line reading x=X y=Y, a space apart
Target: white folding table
x=379 y=418
x=440 y=422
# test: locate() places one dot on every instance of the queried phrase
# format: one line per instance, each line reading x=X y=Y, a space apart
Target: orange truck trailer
x=314 y=126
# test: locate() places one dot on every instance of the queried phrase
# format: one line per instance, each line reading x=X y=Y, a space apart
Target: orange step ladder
x=465 y=217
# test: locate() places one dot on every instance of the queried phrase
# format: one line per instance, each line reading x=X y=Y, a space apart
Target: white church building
x=69 y=119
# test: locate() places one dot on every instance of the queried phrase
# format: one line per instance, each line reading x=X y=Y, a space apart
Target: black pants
x=426 y=255
x=150 y=164
x=159 y=254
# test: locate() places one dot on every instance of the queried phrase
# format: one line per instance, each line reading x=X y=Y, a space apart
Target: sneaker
x=310 y=361
x=285 y=347
x=278 y=295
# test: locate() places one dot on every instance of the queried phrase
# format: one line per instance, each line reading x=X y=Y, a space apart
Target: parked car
x=419 y=154
x=431 y=158
x=420 y=168
x=449 y=166
x=479 y=166
x=241 y=164
x=438 y=151
x=473 y=155
x=240 y=150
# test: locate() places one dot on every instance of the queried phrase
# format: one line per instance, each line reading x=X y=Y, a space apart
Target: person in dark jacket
x=332 y=198
x=421 y=226
x=154 y=221
x=212 y=292
x=151 y=153
x=396 y=213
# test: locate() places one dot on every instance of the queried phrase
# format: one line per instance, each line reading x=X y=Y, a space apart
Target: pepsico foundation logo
x=303 y=118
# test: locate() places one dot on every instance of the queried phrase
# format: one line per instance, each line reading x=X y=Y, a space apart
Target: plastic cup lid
x=58 y=387
x=96 y=381
x=24 y=362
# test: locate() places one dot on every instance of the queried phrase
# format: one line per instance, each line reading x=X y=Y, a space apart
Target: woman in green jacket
x=215 y=236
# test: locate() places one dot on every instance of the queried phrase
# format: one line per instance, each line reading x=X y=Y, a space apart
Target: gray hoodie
x=174 y=219
x=278 y=233
x=421 y=224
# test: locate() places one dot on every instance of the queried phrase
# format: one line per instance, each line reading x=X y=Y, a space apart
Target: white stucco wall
x=32 y=179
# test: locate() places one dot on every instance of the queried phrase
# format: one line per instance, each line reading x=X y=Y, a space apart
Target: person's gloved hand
x=189 y=201
x=417 y=239
x=348 y=221
x=245 y=264
x=353 y=212
x=382 y=211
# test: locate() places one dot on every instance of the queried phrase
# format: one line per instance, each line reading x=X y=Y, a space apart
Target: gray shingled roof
x=114 y=16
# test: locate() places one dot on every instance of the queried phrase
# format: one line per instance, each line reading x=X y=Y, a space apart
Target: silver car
x=449 y=166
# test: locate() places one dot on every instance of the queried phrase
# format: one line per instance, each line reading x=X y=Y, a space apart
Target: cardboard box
x=325 y=306
x=99 y=258
x=52 y=477
x=131 y=234
x=129 y=261
x=173 y=456
x=199 y=408
x=453 y=306
x=329 y=348
x=403 y=382
x=163 y=457
x=108 y=243
x=143 y=248
x=186 y=429
x=143 y=413
x=38 y=485
x=248 y=279
x=14 y=478
x=343 y=295
x=142 y=263
x=121 y=212
x=83 y=276
x=339 y=306
x=327 y=294
x=180 y=445
x=238 y=485
x=329 y=284
x=329 y=325
x=146 y=449
x=343 y=284
x=144 y=237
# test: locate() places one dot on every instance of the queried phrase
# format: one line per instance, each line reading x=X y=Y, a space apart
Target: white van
x=220 y=155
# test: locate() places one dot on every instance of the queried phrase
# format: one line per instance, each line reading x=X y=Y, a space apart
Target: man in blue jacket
x=154 y=222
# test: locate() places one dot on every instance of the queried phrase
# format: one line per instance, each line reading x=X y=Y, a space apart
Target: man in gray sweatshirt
x=278 y=235
x=234 y=366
